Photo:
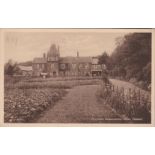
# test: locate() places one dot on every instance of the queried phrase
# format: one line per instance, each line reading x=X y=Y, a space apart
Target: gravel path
x=80 y=105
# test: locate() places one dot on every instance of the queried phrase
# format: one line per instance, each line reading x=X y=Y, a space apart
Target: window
x=95 y=67
x=62 y=66
x=74 y=66
x=52 y=65
x=81 y=66
x=87 y=66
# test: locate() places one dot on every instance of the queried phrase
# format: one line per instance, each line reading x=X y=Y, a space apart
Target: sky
x=25 y=46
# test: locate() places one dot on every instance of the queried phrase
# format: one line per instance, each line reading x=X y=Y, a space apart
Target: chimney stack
x=58 y=51
x=44 y=55
x=77 y=54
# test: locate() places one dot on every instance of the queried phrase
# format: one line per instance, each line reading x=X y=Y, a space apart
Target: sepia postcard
x=77 y=77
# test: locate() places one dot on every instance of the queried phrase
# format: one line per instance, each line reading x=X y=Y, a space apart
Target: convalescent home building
x=54 y=65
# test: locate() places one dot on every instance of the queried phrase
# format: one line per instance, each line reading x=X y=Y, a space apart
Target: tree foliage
x=105 y=59
x=11 y=68
x=131 y=58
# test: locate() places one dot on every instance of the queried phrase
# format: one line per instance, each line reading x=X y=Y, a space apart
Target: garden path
x=80 y=105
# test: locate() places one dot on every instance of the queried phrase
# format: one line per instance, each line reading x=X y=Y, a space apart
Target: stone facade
x=54 y=65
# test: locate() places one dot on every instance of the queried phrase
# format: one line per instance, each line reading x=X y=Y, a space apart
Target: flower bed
x=22 y=105
x=25 y=100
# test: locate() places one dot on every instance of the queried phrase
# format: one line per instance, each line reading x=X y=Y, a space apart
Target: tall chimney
x=77 y=54
x=58 y=51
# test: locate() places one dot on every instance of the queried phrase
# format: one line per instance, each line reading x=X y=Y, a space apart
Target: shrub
x=132 y=104
x=23 y=105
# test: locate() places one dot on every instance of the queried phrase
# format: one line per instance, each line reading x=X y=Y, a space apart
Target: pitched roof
x=25 y=68
x=76 y=60
x=39 y=60
x=66 y=60
x=84 y=59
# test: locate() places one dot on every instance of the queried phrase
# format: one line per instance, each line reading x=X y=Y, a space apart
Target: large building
x=52 y=64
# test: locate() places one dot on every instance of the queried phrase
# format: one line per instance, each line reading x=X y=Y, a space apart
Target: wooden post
x=139 y=96
x=123 y=109
x=130 y=99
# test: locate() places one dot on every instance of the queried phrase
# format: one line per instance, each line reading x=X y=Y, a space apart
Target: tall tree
x=11 y=68
x=105 y=59
x=132 y=56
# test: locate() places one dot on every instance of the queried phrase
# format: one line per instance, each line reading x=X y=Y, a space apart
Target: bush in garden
x=22 y=105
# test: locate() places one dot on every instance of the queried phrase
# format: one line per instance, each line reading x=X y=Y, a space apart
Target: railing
x=132 y=104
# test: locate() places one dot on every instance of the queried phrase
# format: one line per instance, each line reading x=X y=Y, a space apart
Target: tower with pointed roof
x=53 y=57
